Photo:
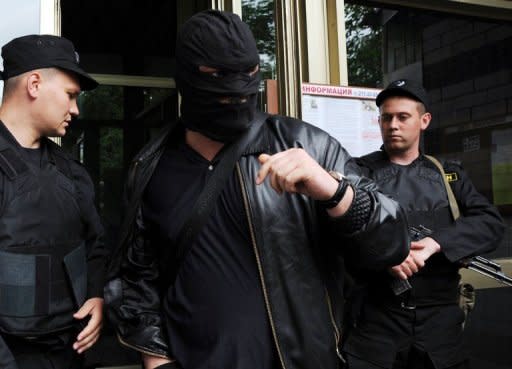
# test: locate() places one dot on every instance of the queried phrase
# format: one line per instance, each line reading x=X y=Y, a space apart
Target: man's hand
x=423 y=249
x=406 y=269
x=90 y=334
x=295 y=171
x=420 y=252
x=152 y=362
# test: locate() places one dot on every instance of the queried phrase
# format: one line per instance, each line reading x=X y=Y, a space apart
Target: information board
x=349 y=114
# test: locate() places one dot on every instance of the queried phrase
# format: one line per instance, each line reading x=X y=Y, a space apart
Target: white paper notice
x=348 y=114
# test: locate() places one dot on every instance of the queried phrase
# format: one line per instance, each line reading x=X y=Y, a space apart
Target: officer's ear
x=33 y=83
x=425 y=120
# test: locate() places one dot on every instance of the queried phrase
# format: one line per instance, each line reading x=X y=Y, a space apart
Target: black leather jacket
x=299 y=249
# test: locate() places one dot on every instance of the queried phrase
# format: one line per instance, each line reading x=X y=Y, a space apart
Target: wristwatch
x=340 y=191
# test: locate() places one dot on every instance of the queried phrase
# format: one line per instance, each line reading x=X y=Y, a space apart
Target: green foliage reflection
x=259 y=15
x=364 y=46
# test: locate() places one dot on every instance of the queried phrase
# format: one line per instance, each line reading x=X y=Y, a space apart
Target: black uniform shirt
x=215 y=311
x=420 y=190
x=34 y=155
x=96 y=251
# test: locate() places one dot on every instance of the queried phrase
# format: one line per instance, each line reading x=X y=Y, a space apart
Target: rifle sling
x=454 y=208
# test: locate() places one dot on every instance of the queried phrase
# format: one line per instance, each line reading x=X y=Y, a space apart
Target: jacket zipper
x=136 y=348
x=134 y=170
x=337 y=333
x=258 y=262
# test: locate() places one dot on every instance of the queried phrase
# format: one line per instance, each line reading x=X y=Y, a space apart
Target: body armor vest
x=420 y=190
x=43 y=266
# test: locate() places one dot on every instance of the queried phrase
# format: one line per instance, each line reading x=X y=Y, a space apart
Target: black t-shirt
x=215 y=311
x=35 y=156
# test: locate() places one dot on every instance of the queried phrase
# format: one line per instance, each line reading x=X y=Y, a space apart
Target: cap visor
x=86 y=81
x=395 y=91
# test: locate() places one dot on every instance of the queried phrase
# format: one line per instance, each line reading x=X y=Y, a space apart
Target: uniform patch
x=452 y=177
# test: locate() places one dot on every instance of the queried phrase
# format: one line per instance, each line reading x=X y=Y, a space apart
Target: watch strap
x=338 y=195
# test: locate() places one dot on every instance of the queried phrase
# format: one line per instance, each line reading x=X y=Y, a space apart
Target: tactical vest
x=420 y=190
x=43 y=270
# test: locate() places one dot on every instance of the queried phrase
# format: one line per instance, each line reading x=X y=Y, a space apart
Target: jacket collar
x=260 y=143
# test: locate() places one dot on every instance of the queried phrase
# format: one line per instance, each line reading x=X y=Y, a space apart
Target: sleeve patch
x=452 y=177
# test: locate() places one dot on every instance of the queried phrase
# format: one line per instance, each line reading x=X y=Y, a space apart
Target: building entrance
x=133 y=60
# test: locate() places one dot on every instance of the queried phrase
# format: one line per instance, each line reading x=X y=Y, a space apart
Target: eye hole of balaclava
x=220 y=41
x=232 y=84
x=218 y=73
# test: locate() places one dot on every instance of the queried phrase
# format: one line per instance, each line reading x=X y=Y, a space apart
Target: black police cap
x=404 y=87
x=30 y=52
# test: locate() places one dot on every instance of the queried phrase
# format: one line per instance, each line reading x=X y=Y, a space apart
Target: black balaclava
x=218 y=40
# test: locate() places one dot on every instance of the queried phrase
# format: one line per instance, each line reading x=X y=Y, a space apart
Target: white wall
x=18 y=18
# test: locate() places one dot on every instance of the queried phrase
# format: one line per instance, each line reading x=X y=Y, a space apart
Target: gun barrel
x=488 y=262
x=489 y=272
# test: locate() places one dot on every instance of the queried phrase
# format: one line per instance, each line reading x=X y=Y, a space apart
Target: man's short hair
x=12 y=83
x=10 y=86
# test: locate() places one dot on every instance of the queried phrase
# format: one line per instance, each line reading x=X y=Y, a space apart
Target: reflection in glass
x=364 y=46
x=102 y=103
x=259 y=15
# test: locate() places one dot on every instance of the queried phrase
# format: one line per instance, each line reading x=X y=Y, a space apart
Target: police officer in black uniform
x=422 y=327
x=52 y=259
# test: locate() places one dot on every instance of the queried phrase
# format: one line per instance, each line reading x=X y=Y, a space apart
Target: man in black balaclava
x=259 y=286
x=217 y=75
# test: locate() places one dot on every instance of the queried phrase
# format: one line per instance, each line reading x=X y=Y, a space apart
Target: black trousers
x=52 y=353
x=393 y=337
x=413 y=359
x=6 y=358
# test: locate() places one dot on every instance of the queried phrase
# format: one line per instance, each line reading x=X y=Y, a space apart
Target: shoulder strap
x=454 y=208
x=11 y=164
x=207 y=199
x=60 y=158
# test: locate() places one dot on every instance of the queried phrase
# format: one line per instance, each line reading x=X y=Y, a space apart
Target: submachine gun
x=478 y=264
